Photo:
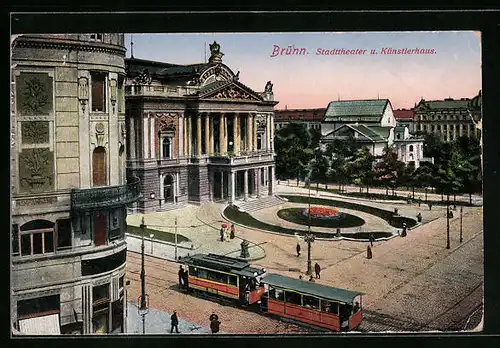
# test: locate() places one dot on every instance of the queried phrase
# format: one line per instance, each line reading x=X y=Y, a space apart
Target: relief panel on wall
x=34 y=94
x=36 y=170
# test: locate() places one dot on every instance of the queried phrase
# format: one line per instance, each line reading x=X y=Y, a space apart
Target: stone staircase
x=259 y=203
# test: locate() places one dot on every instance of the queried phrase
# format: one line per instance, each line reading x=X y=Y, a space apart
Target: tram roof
x=224 y=263
x=311 y=288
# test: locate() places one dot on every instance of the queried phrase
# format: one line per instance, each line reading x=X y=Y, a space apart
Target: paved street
x=411 y=283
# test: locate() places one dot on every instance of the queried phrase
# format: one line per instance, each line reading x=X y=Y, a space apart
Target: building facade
x=197 y=133
x=449 y=118
x=68 y=184
x=311 y=117
x=404 y=118
x=371 y=124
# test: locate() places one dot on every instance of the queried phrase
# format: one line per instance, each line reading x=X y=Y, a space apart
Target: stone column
x=87 y=308
x=185 y=138
x=271 y=140
x=255 y=182
x=190 y=135
x=236 y=124
x=231 y=183
x=257 y=186
x=271 y=182
x=221 y=134
x=254 y=134
x=152 y=149
x=211 y=185
x=132 y=139
x=181 y=136
x=249 y=133
x=222 y=185
x=145 y=142
x=198 y=135
x=268 y=132
x=211 y=136
x=245 y=184
x=207 y=135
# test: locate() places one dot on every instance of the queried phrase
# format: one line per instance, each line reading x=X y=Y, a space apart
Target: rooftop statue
x=269 y=87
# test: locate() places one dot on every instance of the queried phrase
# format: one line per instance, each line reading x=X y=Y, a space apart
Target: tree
x=389 y=170
x=423 y=176
x=361 y=167
x=320 y=165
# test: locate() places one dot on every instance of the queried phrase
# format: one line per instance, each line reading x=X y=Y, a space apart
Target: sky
x=309 y=80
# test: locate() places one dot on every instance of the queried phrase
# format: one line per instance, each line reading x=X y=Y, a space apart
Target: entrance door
x=100 y=229
x=99 y=166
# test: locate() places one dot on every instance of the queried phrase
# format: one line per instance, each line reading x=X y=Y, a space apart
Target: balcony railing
x=159 y=91
x=105 y=196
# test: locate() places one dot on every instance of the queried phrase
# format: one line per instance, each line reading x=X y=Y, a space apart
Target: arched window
x=165 y=144
x=411 y=148
x=99 y=166
x=168 y=188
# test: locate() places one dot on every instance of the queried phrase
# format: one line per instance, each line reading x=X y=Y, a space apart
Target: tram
x=319 y=305
x=226 y=277
x=274 y=294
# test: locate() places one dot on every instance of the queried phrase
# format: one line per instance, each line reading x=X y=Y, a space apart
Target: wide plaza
x=410 y=284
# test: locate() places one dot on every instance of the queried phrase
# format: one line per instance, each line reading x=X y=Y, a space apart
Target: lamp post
x=309 y=237
x=143 y=306
x=461 y=210
x=447 y=224
x=175 y=235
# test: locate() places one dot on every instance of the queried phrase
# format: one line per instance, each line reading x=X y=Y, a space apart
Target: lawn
x=160 y=235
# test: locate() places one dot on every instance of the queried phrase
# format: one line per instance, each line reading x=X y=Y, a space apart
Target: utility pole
x=143 y=307
x=461 y=210
x=448 y=222
x=309 y=237
x=175 y=233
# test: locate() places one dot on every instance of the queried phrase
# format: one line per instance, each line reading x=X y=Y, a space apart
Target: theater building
x=68 y=185
x=197 y=134
x=310 y=117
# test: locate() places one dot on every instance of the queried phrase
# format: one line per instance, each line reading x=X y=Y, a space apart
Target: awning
x=46 y=325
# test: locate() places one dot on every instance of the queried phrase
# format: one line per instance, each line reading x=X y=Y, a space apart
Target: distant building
x=311 y=117
x=449 y=118
x=197 y=134
x=404 y=118
x=69 y=189
x=371 y=123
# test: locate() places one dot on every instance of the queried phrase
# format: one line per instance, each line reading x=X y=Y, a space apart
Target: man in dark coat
x=298 y=249
x=185 y=278
x=174 y=323
x=214 y=323
x=221 y=234
x=181 y=276
x=372 y=239
x=317 y=270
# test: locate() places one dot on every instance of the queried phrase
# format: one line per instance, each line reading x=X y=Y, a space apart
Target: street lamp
x=175 y=235
x=461 y=210
x=143 y=299
x=447 y=224
x=309 y=237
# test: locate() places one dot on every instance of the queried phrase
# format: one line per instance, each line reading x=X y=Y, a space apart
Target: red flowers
x=321 y=212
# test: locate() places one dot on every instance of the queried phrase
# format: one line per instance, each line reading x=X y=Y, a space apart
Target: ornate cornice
x=52 y=43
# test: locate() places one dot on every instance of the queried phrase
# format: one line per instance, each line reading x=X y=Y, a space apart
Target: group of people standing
x=214 y=323
x=226 y=235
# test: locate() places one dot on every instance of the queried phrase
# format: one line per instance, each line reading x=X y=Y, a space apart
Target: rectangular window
x=115 y=228
x=38 y=306
x=98 y=92
x=276 y=294
x=15 y=239
x=233 y=280
x=64 y=234
x=311 y=302
x=100 y=294
x=120 y=282
x=25 y=244
x=293 y=298
x=329 y=307
x=96 y=37
x=37 y=243
x=117 y=316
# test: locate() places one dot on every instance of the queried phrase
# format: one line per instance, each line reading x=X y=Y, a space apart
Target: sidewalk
x=158 y=322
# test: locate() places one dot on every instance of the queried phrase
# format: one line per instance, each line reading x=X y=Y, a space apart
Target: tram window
x=193 y=272
x=345 y=310
x=276 y=294
x=233 y=280
x=202 y=273
x=293 y=298
x=216 y=276
x=329 y=307
x=311 y=302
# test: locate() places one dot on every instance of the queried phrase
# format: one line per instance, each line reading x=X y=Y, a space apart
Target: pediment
x=231 y=91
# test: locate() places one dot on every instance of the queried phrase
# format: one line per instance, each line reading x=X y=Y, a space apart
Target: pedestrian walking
x=174 y=321
x=181 y=276
x=222 y=234
x=396 y=211
x=300 y=276
x=311 y=279
x=403 y=233
x=317 y=270
x=298 y=249
x=419 y=201
x=232 y=232
x=185 y=279
x=369 y=252
x=429 y=205
x=419 y=217
x=214 y=323
x=372 y=239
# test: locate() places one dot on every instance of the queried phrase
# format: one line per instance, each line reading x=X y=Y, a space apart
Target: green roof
x=310 y=288
x=222 y=263
x=356 y=108
x=446 y=104
x=137 y=66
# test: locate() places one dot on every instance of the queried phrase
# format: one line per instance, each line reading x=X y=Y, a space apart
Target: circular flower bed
x=322 y=213
x=332 y=220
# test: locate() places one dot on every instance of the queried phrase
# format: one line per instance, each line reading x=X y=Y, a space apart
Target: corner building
x=197 y=133
x=69 y=191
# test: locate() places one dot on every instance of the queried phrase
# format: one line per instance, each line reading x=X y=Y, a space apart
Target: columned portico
x=207 y=134
x=232 y=186
x=198 y=135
